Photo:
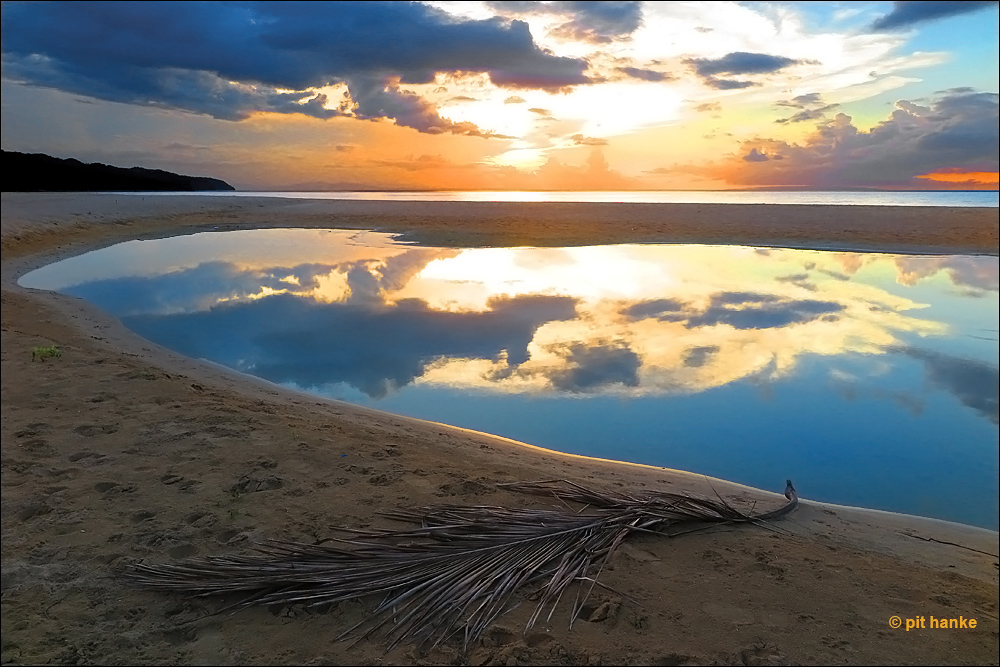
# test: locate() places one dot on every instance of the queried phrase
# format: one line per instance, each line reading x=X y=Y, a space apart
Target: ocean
x=970 y=198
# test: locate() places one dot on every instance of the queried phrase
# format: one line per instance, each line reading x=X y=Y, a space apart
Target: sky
x=515 y=95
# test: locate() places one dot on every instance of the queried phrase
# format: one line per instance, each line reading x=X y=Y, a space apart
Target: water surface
x=869 y=379
x=966 y=198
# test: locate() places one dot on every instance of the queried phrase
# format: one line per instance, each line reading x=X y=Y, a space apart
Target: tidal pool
x=869 y=379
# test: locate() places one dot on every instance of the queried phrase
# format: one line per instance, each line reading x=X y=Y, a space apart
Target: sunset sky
x=513 y=95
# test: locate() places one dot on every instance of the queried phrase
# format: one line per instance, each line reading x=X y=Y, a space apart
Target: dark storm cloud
x=974 y=383
x=230 y=60
x=597 y=366
x=905 y=14
x=284 y=338
x=595 y=22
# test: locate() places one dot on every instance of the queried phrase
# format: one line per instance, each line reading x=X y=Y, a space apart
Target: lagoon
x=870 y=379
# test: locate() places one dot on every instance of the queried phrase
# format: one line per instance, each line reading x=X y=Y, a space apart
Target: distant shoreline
x=37 y=172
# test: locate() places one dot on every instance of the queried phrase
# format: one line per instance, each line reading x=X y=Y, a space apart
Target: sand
x=120 y=450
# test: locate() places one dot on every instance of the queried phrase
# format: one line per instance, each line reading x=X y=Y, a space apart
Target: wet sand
x=120 y=450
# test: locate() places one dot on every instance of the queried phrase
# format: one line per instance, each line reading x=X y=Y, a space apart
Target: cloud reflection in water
x=626 y=320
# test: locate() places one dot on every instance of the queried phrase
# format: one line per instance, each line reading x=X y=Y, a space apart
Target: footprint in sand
x=90 y=430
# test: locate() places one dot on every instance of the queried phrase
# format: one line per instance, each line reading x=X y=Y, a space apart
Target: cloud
x=696 y=357
x=801 y=101
x=594 y=22
x=590 y=367
x=514 y=99
x=385 y=99
x=595 y=174
x=953 y=132
x=708 y=106
x=422 y=162
x=600 y=22
x=219 y=311
x=655 y=308
x=580 y=140
x=646 y=74
x=540 y=111
x=210 y=283
x=740 y=310
x=369 y=281
x=231 y=60
x=740 y=62
x=974 y=383
x=808 y=114
x=976 y=273
x=747 y=310
x=811 y=107
x=799 y=280
x=728 y=84
x=284 y=338
x=195 y=289
x=905 y=14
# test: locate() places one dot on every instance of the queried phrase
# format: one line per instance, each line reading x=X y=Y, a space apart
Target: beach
x=120 y=450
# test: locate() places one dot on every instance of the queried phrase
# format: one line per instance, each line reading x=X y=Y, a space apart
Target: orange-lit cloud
x=969 y=178
x=915 y=142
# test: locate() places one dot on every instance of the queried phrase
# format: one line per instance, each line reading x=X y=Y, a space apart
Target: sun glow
x=470 y=280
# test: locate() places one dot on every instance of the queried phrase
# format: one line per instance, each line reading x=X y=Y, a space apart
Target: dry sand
x=121 y=450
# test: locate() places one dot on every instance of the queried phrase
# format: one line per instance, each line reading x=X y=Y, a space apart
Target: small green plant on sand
x=45 y=352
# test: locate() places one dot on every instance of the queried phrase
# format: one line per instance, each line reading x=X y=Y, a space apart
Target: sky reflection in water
x=869 y=379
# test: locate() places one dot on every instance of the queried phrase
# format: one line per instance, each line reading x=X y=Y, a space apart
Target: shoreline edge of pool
x=120 y=449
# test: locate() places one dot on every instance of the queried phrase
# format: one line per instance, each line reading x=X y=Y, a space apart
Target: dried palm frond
x=459 y=570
